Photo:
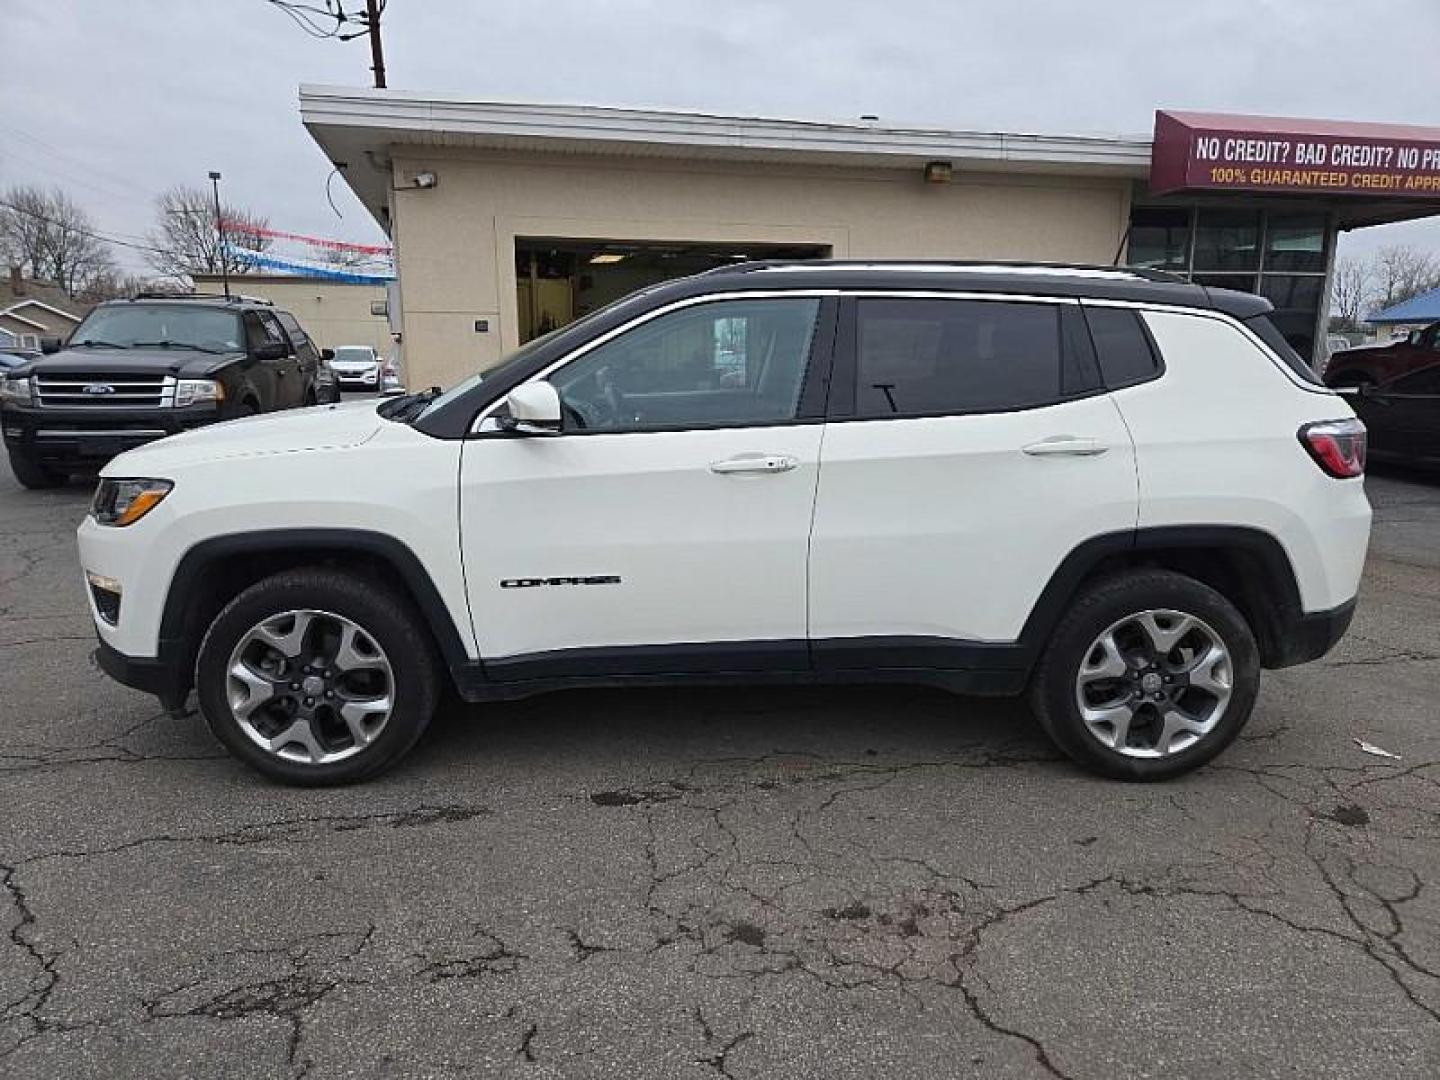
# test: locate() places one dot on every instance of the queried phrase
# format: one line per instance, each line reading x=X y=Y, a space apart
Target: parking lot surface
x=800 y=883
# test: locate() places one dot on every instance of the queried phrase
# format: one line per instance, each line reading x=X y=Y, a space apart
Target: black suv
x=138 y=370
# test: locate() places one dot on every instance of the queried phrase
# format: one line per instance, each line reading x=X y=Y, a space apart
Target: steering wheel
x=614 y=400
x=573 y=417
x=601 y=409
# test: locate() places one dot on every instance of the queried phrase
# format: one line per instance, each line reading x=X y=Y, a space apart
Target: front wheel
x=314 y=677
x=1149 y=675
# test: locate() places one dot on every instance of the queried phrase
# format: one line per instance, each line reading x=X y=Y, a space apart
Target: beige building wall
x=456 y=241
x=333 y=313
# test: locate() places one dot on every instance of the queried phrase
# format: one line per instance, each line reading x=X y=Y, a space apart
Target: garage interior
x=559 y=280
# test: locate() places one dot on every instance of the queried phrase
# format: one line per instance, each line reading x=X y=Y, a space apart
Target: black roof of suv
x=452 y=418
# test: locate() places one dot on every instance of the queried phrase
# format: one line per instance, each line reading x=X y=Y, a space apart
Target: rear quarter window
x=1265 y=330
x=1122 y=346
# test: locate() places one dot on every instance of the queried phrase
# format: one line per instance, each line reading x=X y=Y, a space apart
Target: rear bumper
x=92 y=436
x=1313 y=635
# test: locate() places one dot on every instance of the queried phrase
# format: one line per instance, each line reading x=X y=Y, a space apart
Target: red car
x=1372 y=365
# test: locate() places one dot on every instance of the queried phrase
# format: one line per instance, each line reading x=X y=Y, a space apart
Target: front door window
x=723 y=364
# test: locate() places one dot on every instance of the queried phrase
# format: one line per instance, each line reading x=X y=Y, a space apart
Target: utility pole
x=220 y=232
x=377 y=56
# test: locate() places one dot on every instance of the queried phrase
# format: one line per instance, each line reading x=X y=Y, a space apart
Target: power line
x=317 y=23
x=93 y=234
x=71 y=161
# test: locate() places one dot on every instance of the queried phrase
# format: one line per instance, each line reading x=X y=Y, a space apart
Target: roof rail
x=234 y=298
x=943 y=265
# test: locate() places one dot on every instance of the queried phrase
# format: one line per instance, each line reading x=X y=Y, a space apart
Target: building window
x=1297 y=305
x=1160 y=238
x=1279 y=255
x=1227 y=240
x=1295 y=242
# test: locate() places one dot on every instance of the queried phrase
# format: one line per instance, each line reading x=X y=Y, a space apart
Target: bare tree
x=50 y=238
x=115 y=284
x=1402 y=272
x=186 y=240
x=1353 y=291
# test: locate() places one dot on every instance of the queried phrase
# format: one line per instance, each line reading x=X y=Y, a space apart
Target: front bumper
x=92 y=436
x=359 y=378
x=150 y=675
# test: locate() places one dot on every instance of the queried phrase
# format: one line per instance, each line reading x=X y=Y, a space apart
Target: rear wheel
x=314 y=677
x=1150 y=674
x=33 y=475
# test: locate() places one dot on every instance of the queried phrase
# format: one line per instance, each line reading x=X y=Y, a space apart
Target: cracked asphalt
x=799 y=883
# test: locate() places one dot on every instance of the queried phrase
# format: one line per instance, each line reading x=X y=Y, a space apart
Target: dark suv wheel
x=1149 y=675
x=32 y=474
x=315 y=677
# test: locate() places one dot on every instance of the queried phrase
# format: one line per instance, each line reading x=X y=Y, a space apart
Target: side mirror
x=1413 y=338
x=49 y=345
x=327 y=354
x=534 y=409
x=271 y=350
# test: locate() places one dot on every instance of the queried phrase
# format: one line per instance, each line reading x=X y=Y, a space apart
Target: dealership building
x=511 y=219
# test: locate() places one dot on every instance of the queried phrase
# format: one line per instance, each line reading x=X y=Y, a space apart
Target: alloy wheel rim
x=310 y=686
x=1154 y=683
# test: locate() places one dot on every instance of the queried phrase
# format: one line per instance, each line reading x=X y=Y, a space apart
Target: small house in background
x=1414 y=314
x=31 y=310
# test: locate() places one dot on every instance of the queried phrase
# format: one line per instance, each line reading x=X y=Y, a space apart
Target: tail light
x=1338 y=446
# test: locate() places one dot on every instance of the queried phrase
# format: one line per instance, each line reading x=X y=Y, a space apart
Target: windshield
x=129 y=326
x=355 y=354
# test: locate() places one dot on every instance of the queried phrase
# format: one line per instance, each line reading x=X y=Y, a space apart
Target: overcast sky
x=116 y=101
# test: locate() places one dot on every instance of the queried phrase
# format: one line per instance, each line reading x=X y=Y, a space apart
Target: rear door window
x=273 y=333
x=926 y=357
x=298 y=337
x=1122 y=346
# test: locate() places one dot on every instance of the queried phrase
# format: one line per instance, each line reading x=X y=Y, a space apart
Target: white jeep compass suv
x=1119 y=493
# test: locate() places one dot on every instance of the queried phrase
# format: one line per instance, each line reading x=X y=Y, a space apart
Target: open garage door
x=560 y=280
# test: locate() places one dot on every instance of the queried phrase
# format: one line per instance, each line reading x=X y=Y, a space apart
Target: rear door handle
x=1067 y=446
x=755 y=463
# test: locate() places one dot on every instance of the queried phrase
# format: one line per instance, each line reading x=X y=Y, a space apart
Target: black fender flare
x=176 y=629
x=1280 y=614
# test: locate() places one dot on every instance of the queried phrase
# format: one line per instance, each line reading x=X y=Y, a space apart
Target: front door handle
x=1067 y=446
x=755 y=463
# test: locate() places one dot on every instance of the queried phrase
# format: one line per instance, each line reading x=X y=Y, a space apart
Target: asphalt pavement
x=871 y=882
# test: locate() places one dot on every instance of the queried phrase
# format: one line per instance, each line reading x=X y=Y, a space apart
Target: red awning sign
x=1212 y=151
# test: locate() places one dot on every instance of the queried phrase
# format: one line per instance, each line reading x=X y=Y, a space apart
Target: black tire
x=1054 y=686
x=33 y=475
x=385 y=616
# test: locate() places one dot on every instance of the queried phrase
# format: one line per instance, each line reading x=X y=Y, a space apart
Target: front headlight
x=196 y=391
x=124 y=502
x=16 y=390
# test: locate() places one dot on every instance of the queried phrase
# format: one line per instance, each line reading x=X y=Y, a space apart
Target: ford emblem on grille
x=99 y=388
